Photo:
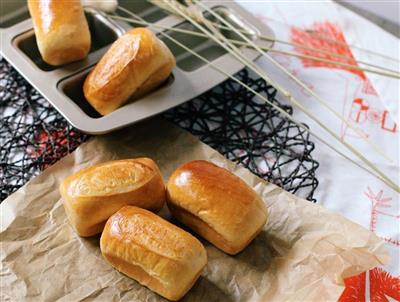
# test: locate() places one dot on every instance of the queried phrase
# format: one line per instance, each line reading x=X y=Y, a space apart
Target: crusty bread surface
x=154 y=252
x=134 y=65
x=95 y=193
x=61 y=30
x=216 y=204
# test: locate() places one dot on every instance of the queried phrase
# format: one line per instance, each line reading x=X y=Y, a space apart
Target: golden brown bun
x=134 y=65
x=62 y=32
x=93 y=194
x=153 y=251
x=216 y=204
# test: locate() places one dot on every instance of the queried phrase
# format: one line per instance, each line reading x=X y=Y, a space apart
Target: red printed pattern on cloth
x=378 y=204
x=362 y=112
x=381 y=286
x=328 y=37
x=381 y=283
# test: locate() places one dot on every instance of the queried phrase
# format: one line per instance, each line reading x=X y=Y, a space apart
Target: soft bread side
x=93 y=194
x=216 y=204
x=61 y=30
x=153 y=251
x=134 y=65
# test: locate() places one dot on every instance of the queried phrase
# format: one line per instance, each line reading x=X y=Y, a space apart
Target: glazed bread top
x=93 y=194
x=164 y=251
x=110 y=178
x=53 y=13
x=219 y=198
x=134 y=59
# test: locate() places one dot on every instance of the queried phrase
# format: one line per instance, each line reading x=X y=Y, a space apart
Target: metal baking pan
x=62 y=85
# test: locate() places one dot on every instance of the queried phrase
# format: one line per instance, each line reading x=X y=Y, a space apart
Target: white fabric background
x=344 y=187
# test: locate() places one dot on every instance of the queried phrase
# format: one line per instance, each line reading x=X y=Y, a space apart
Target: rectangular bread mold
x=62 y=85
x=72 y=87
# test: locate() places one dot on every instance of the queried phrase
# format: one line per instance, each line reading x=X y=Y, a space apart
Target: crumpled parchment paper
x=302 y=254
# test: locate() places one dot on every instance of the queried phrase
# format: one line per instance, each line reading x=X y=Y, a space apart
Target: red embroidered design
x=364 y=114
x=360 y=109
x=355 y=289
x=382 y=285
x=384 y=125
x=328 y=37
x=378 y=202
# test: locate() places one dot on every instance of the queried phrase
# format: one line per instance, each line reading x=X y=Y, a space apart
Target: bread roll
x=216 y=204
x=62 y=32
x=135 y=64
x=153 y=251
x=93 y=194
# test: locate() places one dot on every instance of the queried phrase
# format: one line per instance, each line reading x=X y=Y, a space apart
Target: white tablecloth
x=370 y=102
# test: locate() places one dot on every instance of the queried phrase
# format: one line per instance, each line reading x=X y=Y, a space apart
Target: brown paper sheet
x=303 y=253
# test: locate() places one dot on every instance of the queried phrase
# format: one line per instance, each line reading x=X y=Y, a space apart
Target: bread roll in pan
x=62 y=85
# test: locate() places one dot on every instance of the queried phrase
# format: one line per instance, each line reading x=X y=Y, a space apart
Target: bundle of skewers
x=209 y=24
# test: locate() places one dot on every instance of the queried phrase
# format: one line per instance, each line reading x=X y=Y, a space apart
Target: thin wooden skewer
x=299 y=45
x=185 y=15
x=319 y=50
x=384 y=72
x=270 y=103
x=351 y=45
x=323 y=51
x=323 y=37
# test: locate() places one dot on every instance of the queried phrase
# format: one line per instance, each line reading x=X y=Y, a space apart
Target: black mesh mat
x=228 y=118
x=233 y=121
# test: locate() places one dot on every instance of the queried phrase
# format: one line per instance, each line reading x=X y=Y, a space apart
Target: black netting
x=33 y=135
x=241 y=126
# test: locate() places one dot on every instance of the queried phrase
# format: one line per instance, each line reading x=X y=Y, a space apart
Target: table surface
x=367 y=202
